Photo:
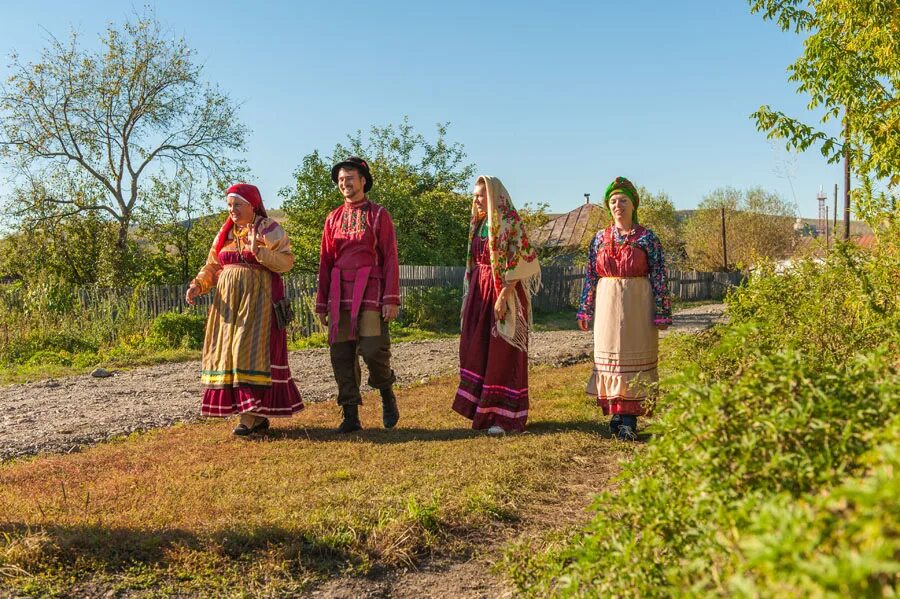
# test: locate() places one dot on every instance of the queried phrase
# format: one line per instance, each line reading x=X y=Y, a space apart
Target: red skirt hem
x=485 y=418
x=619 y=405
x=281 y=400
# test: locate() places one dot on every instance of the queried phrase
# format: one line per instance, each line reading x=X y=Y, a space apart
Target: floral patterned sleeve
x=588 y=292
x=658 y=280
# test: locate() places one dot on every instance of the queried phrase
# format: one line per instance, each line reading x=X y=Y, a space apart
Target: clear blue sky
x=556 y=98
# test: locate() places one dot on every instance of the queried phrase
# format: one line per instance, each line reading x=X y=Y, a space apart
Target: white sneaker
x=496 y=430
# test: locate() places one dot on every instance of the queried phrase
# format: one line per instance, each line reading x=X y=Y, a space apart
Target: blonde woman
x=502 y=273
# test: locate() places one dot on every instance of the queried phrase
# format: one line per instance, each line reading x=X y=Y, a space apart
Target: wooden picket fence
x=560 y=290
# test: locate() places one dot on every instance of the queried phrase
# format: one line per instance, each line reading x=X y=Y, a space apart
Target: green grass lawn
x=193 y=510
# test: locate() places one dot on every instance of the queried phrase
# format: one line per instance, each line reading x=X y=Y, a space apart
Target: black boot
x=614 y=423
x=390 y=413
x=351 y=420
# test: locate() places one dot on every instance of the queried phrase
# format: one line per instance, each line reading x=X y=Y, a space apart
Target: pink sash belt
x=360 y=278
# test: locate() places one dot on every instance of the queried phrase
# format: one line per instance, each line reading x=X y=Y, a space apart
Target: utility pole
x=724 y=242
x=834 y=214
x=847 y=173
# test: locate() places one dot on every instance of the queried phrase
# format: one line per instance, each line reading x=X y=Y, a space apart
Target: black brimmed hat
x=357 y=163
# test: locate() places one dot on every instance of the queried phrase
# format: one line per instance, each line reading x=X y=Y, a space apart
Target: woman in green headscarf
x=626 y=296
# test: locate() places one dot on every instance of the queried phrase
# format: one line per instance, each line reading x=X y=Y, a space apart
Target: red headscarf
x=248 y=193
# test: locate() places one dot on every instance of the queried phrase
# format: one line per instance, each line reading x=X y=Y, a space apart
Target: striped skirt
x=626 y=345
x=493 y=375
x=245 y=367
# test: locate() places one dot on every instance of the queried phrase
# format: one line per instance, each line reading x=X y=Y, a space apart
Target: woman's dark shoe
x=242 y=430
x=614 y=423
x=627 y=428
x=626 y=433
x=261 y=426
x=351 y=422
x=390 y=413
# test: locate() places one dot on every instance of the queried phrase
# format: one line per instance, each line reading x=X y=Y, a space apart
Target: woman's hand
x=500 y=307
x=193 y=292
x=255 y=239
x=584 y=324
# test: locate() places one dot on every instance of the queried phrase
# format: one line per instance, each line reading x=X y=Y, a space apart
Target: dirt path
x=472 y=576
x=62 y=415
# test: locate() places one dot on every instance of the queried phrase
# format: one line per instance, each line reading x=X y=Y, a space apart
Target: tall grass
x=47 y=328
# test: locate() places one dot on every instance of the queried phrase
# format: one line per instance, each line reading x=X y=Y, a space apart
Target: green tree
x=758 y=224
x=107 y=120
x=68 y=249
x=657 y=212
x=72 y=251
x=176 y=238
x=849 y=69
x=424 y=184
x=534 y=216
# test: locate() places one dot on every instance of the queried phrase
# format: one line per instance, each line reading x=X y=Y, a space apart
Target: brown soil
x=61 y=415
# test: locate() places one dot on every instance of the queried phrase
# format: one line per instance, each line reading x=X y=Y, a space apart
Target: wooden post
x=724 y=242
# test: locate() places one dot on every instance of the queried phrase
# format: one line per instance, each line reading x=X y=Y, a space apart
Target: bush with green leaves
x=843 y=542
x=432 y=308
x=177 y=329
x=50 y=348
x=777 y=430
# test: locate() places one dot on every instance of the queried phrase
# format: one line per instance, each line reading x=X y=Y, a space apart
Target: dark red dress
x=493 y=375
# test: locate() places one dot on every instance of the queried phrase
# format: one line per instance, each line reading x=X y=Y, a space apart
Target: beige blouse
x=273 y=252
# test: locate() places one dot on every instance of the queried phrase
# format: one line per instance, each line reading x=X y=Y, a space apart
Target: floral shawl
x=512 y=259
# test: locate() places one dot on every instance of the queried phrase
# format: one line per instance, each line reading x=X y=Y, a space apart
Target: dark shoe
x=351 y=422
x=614 y=423
x=242 y=430
x=390 y=413
x=626 y=433
x=261 y=426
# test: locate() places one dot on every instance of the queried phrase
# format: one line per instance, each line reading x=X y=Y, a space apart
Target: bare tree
x=109 y=117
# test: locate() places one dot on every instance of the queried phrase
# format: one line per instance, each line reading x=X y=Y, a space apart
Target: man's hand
x=389 y=312
x=323 y=318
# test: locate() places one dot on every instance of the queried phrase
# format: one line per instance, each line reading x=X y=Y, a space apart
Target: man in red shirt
x=359 y=292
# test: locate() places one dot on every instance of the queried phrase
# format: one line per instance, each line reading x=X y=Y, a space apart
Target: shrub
x=844 y=542
x=174 y=329
x=50 y=346
x=432 y=308
x=770 y=471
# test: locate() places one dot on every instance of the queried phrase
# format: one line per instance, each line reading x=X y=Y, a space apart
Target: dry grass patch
x=193 y=510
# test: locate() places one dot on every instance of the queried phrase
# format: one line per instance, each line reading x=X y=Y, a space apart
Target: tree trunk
x=122 y=239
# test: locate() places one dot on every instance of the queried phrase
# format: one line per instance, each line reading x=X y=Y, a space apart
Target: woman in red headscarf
x=245 y=367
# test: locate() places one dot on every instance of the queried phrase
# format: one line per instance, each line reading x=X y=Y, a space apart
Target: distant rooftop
x=567 y=230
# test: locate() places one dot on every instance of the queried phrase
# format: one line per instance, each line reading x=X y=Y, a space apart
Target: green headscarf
x=623 y=185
